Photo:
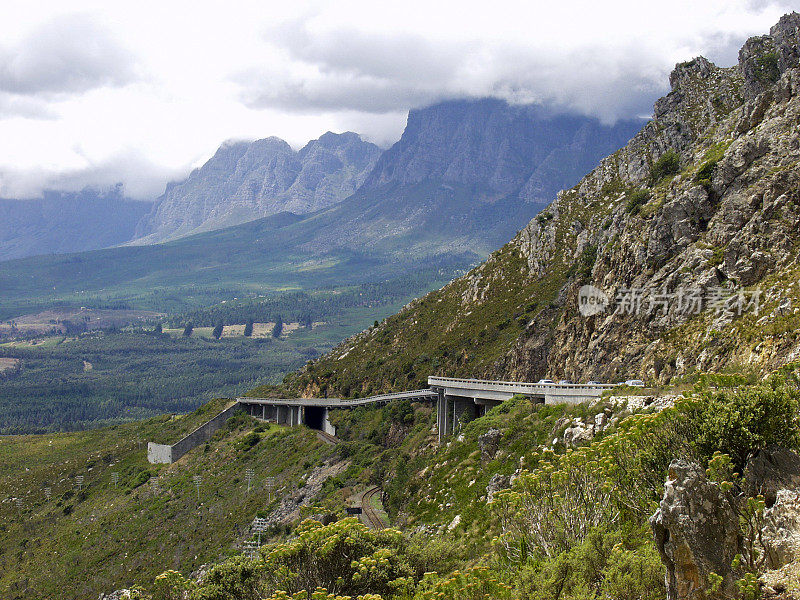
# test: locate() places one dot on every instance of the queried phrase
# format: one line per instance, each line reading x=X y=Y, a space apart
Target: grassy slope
x=125 y=535
x=79 y=544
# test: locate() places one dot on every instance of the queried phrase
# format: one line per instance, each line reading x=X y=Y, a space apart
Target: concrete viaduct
x=456 y=400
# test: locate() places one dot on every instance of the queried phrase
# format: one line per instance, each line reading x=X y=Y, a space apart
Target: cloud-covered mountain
x=465 y=176
x=67 y=222
x=245 y=181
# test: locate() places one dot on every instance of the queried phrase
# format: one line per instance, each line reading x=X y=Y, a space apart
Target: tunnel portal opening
x=315 y=417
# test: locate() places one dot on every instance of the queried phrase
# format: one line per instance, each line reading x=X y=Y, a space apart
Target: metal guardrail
x=489 y=385
x=474 y=384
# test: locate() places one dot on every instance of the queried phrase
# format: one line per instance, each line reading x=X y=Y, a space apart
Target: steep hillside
x=702 y=203
x=245 y=181
x=67 y=222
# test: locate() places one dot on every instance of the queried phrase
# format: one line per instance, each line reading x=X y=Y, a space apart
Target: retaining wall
x=162 y=453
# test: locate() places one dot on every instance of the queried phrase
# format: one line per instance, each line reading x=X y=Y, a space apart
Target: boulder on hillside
x=696 y=533
x=496 y=483
x=771 y=469
x=489 y=443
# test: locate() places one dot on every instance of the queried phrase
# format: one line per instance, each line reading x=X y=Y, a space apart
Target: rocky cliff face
x=497 y=149
x=722 y=220
x=244 y=181
x=463 y=177
x=677 y=231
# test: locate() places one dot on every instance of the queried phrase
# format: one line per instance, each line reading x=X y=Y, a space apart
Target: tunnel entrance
x=314 y=417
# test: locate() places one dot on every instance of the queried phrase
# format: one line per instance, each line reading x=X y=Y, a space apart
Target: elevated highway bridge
x=456 y=400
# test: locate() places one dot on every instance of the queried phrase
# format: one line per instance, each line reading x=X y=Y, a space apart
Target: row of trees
x=216 y=333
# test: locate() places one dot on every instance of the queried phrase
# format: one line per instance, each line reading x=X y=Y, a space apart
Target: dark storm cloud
x=67 y=55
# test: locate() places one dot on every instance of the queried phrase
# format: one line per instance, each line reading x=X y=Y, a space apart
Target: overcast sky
x=92 y=93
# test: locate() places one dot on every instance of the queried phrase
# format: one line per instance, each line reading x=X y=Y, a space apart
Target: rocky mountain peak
x=763 y=59
x=245 y=180
x=686 y=72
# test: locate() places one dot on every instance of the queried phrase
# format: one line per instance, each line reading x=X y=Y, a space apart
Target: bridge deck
x=516 y=387
x=425 y=394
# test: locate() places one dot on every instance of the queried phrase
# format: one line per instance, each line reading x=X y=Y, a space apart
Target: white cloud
x=142 y=92
x=65 y=54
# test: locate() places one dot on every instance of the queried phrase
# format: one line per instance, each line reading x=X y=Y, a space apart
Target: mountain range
x=245 y=181
x=67 y=222
x=462 y=177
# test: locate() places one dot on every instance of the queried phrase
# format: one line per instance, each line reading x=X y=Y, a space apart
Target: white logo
x=591 y=300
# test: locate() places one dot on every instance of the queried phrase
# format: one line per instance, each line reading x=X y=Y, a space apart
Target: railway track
x=373 y=519
x=328 y=438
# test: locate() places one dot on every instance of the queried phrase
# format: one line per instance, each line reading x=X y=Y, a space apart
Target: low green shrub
x=667 y=165
x=636 y=201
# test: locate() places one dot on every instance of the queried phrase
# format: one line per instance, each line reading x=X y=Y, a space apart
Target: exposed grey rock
x=781 y=531
x=489 y=443
x=454 y=523
x=496 y=483
x=248 y=180
x=696 y=533
x=770 y=470
x=578 y=434
x=289 y=508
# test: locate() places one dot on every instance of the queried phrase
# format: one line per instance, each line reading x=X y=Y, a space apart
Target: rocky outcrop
x=489 y=443
x=497 y=483
x=698 y=528
x=288 y=510
x=248 y=180
x=697 y=534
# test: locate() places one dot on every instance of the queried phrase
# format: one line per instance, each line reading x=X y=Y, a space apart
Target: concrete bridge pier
x=452 y=412
x=441 y=415
x=464 y=411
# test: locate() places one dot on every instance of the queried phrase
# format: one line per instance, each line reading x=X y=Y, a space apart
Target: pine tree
x=248 y=329
x=217 y=333
x=187 y=331
x=277 y=329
